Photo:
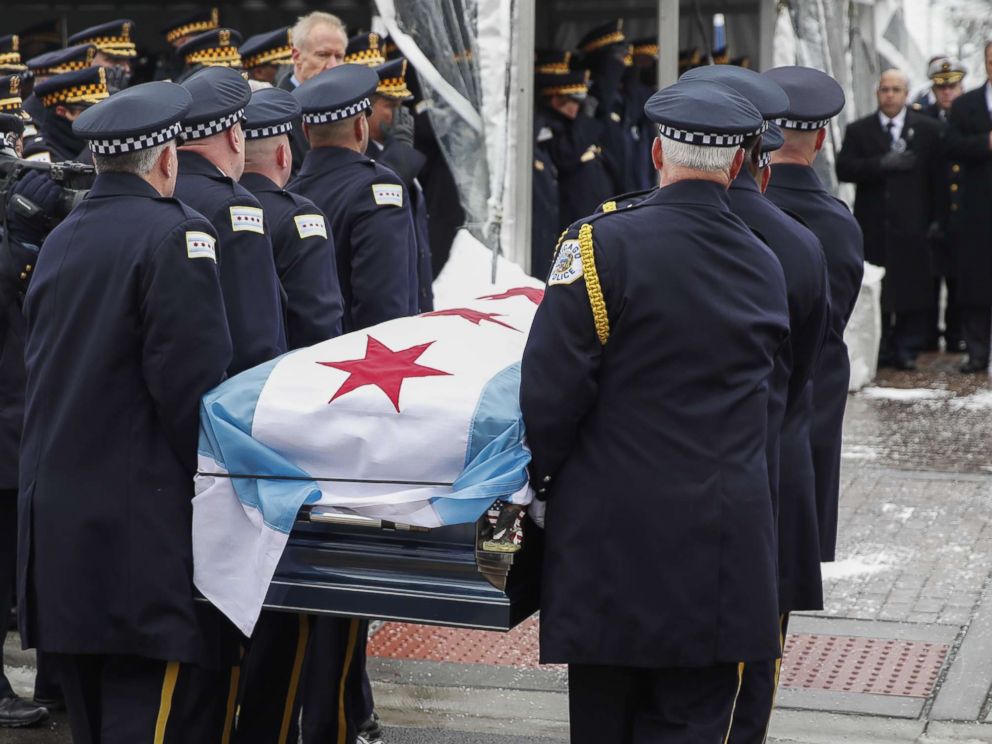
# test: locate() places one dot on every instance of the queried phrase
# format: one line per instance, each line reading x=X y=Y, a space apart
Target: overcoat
x=797 y=189
x=967 y=142
x=895 y=208
x=645 y=392
x=126 y=330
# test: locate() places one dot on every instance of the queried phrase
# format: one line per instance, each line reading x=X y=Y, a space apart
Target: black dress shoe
x=906 y=365
x=53 y=704
x=17 y=713
x=974 y=366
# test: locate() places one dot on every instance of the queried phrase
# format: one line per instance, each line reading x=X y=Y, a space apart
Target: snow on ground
x=905 y=394
x=859 y=565
x=975 y=402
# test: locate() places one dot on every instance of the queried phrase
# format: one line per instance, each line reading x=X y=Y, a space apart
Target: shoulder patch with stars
x=247 y=219
x=387 y=194
x=200 y=245
x=310 y=225
x=568 y=264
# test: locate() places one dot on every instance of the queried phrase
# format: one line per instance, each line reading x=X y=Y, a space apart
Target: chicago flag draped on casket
x=414 y=421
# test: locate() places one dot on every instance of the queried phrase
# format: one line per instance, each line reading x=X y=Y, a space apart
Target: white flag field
x=415 y=421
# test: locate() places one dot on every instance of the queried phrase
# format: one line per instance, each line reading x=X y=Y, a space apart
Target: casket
x=336 y=564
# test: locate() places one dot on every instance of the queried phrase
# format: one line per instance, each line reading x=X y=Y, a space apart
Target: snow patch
x=859 y=565
x=901 y=513
x=976 y=402
x=905 y=394
x=859 y=452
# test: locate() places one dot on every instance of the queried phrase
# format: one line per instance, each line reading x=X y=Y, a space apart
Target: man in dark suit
x=632 y=447
x=320 y=41
x=814 y=99
x=893 y=155
x=969 y=142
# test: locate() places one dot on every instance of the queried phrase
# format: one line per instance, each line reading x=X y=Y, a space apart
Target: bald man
x=892 y=156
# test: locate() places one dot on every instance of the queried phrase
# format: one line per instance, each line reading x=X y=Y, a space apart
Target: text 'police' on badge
x=568 y=265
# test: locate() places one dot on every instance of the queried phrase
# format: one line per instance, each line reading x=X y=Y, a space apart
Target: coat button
x=28 y=268
x=542 y=490
x=547 y=479
x=954 y=207
x=955 y=168
x=954 y=187
x=23 y=276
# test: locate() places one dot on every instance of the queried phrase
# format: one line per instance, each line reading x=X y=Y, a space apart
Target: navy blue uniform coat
x=660 y=544
x=252 y=294
x=125 y=332
x=798 y=189
x=805 y=268
x=305 y=265
x=375 y=243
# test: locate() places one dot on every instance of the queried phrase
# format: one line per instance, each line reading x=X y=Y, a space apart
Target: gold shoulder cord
x=593 y=287
x=610 y=206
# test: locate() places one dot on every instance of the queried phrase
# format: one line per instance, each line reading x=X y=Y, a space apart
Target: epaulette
x=625 y=201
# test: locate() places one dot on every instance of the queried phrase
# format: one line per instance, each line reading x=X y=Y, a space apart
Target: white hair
x=258 y=85
x=697 y=157
x=139 y=163
x=305 y=24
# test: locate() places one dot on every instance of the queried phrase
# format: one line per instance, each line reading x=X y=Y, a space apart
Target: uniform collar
x=322 y=159
x=256 y=182
x=699 y=193
x=795 y=176
x=194 y=164
x=745 y=181
x=122 y=184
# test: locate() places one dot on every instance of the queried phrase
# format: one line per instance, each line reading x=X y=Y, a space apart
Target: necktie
x=890 y=125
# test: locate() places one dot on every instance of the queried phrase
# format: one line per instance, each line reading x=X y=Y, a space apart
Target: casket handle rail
x=357 y=520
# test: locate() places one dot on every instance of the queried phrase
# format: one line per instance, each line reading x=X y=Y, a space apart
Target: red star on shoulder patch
x=533 y=294
x=384 y=368
x=472 y=316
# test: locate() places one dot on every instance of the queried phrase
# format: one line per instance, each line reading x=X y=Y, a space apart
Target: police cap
x=392 y=80
x=112 y=38
x=336 y=94
x=10 y=54
x=814 y=97
x=708 y=114
x=365 y=49
x=12 y=125
x=771 y=141
x=766 y=95
x=646 y=47
x=270 y=112
x=574 y=84
x=946 y=71
x=552 y=61
x=77 y=57
x=220 y=96
x=78 y=88
x=270 y=48
x=602 y=36
x=215 y=48
x=135 y=119
x=194 y=23
x=10 y=94
x=389 y=48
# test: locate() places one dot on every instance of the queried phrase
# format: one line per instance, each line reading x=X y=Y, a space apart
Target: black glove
x=31 y=222
x=17 y=261
x=893 y=162
x=402 y=127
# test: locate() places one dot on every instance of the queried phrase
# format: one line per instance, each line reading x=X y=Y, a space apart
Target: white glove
x=536 y=510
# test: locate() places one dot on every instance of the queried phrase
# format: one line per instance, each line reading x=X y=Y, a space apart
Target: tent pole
x=523 y=166
x=668 y=42
x=767 y=18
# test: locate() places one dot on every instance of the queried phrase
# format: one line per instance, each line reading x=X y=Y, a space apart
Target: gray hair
x=698 y=157
x=305 y=24
x=138 y=163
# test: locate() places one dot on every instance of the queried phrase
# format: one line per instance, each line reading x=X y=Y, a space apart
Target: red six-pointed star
x=472 y=316
x=384 y=368
x=533 y=294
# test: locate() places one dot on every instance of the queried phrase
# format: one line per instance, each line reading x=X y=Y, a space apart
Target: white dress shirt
x=988 y=96
x=897 y=123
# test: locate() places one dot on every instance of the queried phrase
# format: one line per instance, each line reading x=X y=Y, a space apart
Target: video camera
x=74 y=178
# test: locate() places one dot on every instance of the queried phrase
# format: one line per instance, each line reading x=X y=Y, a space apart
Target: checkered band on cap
x=804 y=126
x=324 y=117
x=210 y=128
x=368 y=57
x=701 y=138
x=280 y=55
x=760 y=130
x=263 y=132
x=122 y=145
x=764 y=160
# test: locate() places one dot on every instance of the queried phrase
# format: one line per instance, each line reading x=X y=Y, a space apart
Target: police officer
x=178 y=32
x=376 y=249
x=115 y=49
x=65 y=97
x=814 y=99
x=117 y=358
x=650 y=450
x=304 y=257
x=215 y=48
x=367 y=203
x=789 y=420
x=263 y=56
x=947 y=76
x=211 y=161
